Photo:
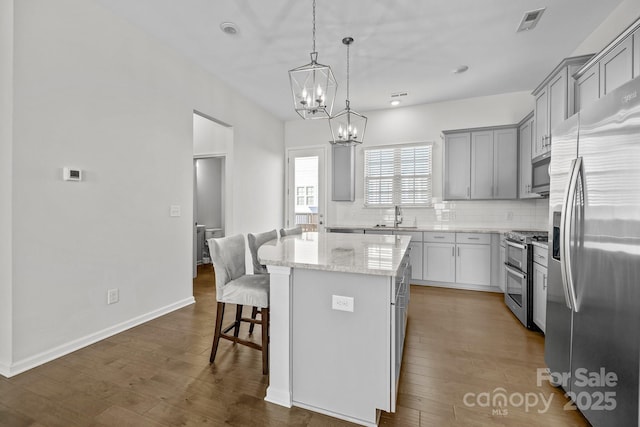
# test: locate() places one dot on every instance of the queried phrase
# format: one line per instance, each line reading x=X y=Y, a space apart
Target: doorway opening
x=306 y=189
x=212 y=160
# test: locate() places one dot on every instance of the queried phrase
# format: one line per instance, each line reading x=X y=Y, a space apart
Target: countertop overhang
x=350 y=253
x=421 y=228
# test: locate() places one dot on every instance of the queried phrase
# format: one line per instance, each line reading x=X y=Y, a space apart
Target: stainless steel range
x=518 y=291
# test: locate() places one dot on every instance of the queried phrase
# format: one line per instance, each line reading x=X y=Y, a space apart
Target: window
x=399 y=175
x=305 y=196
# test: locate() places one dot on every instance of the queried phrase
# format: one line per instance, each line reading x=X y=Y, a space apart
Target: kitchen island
x=338 y=305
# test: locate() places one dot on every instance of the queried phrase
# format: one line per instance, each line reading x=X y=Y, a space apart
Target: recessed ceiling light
x=229 y=28
x=459 y=70
x=395 y=102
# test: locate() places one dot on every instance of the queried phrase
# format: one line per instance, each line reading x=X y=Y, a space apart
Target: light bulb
x=319 y=92
x=304 y=93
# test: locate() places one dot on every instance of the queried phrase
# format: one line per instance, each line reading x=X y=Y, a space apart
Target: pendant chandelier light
x=348 y=126
x=313 y=85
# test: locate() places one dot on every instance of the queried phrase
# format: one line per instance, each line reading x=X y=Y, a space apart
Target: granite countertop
x=350 y=253
x=447 y=228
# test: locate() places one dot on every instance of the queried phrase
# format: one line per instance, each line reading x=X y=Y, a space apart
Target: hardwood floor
x=158 y=374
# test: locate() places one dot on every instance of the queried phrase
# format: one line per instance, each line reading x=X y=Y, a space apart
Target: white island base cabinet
x=337 y=322
x=343 y=361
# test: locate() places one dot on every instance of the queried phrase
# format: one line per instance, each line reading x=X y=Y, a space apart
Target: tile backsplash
x=515 y=214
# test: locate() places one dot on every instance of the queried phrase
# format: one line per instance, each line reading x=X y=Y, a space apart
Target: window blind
x=399 y=175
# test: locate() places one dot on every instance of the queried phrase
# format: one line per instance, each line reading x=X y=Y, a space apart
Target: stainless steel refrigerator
x=593 y=299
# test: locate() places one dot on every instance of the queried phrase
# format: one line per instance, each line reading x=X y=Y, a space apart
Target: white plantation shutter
x=399 y=175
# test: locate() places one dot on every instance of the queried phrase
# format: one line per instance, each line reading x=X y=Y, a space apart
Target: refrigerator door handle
x=563 y=221
x=576 y=172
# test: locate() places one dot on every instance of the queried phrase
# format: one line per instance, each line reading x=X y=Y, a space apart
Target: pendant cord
x=348 y=45
x=314 y=26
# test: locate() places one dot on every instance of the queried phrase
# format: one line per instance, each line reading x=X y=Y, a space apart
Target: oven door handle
x=515 y=245
x=515 y=272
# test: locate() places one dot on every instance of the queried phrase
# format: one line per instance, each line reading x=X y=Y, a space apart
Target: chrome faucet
x=397 y=220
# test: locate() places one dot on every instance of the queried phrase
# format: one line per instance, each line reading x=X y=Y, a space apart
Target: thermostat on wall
x=72 y=174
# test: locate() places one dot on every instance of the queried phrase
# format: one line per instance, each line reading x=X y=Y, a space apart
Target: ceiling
x=400 y=46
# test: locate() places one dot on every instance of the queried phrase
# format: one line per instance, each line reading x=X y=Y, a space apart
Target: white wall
x=209 y=181
x=93 y=92
x=622 y=16
x=6 y=129
x=426 y=123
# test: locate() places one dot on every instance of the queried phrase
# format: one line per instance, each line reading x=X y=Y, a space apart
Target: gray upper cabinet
x=636 y=54
x=505 y=164
x=616 y=67
x=588 y=87
x=457 y=166
x=541 y=123
x=481 y=164
x=525 y=138
x=554 y=102
x=343 y=173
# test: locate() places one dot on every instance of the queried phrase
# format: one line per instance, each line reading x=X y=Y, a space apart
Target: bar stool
x=290 y=231
x=233 y=286
x=255 y=241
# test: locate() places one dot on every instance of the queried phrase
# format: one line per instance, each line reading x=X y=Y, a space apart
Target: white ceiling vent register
x=530 y=20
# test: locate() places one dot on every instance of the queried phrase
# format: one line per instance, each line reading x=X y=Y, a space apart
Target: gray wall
x=209 y=180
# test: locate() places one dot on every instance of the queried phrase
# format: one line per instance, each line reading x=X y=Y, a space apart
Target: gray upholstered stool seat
x=255 y=241
x=233 y=286
x=290 y=231
x=251 y=290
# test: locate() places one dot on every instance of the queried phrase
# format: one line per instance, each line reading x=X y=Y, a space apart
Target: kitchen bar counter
x=349 y=253
x=337 y=320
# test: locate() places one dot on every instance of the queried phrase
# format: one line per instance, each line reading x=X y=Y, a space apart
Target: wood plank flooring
x=158 y=374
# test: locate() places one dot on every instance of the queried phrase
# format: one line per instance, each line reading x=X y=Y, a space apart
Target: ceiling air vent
x=530 y=20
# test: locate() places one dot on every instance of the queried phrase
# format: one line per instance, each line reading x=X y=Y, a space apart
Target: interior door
x=306 y=188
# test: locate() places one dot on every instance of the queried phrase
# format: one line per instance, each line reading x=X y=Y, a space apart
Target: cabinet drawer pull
x=453 y=251
x=438 y=237
x=473 y=238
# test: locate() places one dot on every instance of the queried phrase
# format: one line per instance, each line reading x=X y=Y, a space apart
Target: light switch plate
x=342 y=303
x=174 y=210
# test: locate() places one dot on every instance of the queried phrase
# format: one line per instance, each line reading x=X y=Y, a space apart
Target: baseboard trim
x=4 y=370
x=64 y=349
x=460 y=286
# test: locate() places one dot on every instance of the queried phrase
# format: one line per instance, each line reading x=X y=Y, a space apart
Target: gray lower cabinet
x=481 y=164
x=343 y=173
x=463 y=258
x=439 y=262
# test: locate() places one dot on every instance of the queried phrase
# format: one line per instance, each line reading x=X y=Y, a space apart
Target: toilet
x=210 y=233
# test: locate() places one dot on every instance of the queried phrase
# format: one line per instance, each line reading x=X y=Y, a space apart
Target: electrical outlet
x=509 y=216
x=342 y=303
x=113 y=296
